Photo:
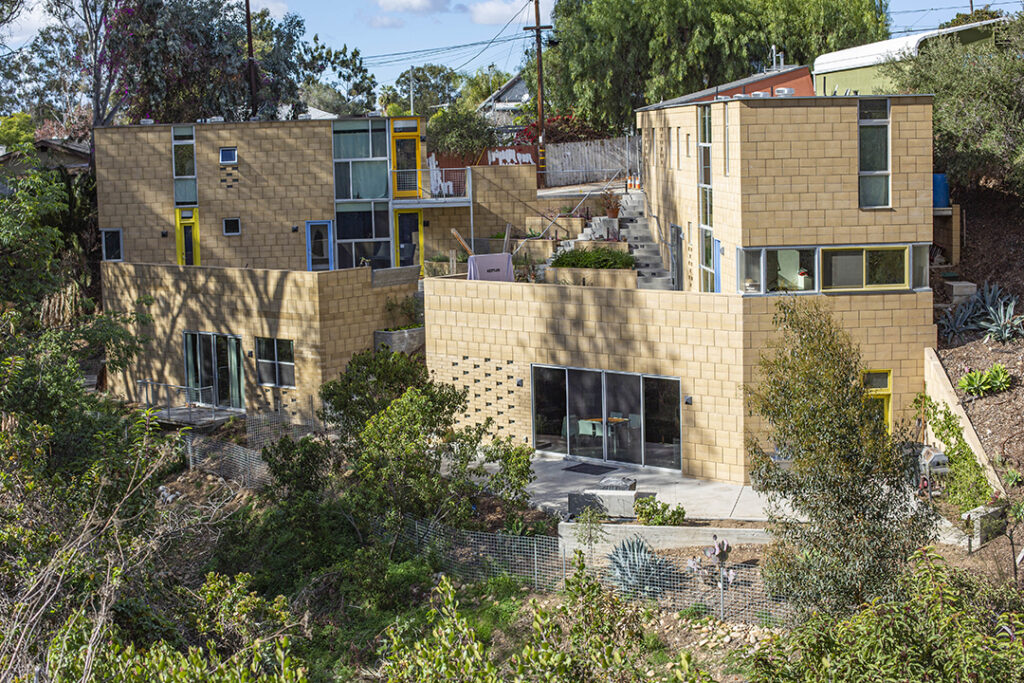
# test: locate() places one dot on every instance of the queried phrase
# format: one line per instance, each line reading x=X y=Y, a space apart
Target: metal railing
x=177 y=403
x=575 y=208
x=433 y=183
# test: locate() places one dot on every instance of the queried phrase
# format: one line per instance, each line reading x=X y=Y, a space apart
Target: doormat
x=587 y=468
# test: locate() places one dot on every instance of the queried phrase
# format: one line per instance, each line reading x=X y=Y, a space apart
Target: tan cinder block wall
x=792 y=175
x=947 y=234
x=284 y=177
x=330 y=315
x=891 y=331
x=483 y=336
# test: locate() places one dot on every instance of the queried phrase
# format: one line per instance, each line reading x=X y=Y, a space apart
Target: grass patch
x=602 y=258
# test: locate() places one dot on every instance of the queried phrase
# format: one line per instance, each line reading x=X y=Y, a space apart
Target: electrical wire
x=496 y=35
x=940 y=9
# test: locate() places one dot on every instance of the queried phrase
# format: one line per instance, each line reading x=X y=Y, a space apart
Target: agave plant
x=957 y=322
x=991 y=296
x=1002 y=325
x=635 y=570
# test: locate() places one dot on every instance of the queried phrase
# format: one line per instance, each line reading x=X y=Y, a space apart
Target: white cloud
x=278 y=8
x=420 y=6
x=497 y=12
x=384 y=21
x=27 y=25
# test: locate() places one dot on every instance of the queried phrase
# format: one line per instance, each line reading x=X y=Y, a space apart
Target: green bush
x=999 y=378
x=652 y=513
x=979 y=383
x=595 y=258
x=967 y=486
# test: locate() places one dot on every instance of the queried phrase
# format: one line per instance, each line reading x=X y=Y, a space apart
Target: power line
x=427 y=52
x=941 y=9
x=491 y=42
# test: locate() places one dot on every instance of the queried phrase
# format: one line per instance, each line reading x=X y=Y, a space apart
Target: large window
x=878 y=386
x=825 y=269
x=111 y=242
x=708 y=256
x=360 y=159
x=275 y=362
x=184 y=160
x=873 y=131
x=364 y=235
x=608 y=416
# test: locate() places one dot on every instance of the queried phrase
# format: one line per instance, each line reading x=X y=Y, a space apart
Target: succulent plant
x=1002 y=325
x=955 y=322
x=975 y=383
x=634 y=569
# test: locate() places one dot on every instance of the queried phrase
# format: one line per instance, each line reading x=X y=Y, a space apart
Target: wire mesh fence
x=732 y=592
x=234 y=453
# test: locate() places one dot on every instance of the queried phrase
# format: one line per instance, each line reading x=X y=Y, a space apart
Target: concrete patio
x=702 y=499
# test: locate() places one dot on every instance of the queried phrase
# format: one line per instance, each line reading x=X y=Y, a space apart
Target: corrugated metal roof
x=884 y=50
x=701 y=94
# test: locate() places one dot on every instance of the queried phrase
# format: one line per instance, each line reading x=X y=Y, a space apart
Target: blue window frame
x=319 y=245
x=718 y=265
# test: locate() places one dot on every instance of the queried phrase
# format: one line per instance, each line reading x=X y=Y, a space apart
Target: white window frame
x=224 y=226
x=103 y=243
x=705 y=218
x=875 y=123
x=277 y=363
x=350 y=160
x=195 y=166
x=234 y=154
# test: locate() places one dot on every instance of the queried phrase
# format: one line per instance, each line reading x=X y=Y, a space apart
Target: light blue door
x=718 y=265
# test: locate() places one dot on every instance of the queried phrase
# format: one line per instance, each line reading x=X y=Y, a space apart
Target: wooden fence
x=572 y=163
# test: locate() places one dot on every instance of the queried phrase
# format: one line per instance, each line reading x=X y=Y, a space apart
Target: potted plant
x=611 y=203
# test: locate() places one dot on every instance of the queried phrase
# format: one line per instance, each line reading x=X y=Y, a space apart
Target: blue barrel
x=940 y=191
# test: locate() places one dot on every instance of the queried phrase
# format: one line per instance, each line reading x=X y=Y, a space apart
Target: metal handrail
x=585 y=197
x=460 y=183
x=146 y=387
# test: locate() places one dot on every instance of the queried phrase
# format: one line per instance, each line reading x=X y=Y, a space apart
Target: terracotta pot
x=612 y=213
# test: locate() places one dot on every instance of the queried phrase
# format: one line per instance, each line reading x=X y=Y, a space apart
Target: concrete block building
x=271 y=248
x=749 y=199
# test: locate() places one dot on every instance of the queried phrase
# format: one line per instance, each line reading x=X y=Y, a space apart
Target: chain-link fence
x=234 y=451
x=732 y=592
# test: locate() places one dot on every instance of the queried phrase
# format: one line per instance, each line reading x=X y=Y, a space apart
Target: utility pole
x=412 y=107
x=541 y=163
x=252 y=61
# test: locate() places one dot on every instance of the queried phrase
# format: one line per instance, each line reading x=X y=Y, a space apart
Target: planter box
x=616 y=278
x=442 y=268
x=584 y=245
x=409 y=341
x=564 y=227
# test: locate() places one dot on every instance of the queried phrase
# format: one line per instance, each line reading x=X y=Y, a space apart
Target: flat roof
x=706 y=92
x=208 y=122
x=782 y=99
x=884 y=50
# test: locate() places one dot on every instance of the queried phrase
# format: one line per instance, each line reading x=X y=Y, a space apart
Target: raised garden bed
x=443 y=268
x=618 y=278
x=408 y=341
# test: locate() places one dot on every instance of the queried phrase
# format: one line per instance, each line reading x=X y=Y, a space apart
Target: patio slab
x=702 y=499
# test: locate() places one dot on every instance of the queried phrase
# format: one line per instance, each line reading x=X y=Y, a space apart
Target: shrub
x=966 y=485
x=595 y=258
x=697 y=610
x=1002 y=325
x=652 y=513
x=999 y=378
x=975 y=383
x=636 y=570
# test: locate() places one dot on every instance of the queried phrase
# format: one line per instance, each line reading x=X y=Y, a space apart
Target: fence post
x=721 y=590
x=188 y=449
x=563 y=564
x=536 y=583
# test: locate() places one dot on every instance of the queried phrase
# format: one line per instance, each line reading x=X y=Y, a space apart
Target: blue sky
x=383 y=27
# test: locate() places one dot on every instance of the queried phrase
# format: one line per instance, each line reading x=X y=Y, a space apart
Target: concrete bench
x=612 y=503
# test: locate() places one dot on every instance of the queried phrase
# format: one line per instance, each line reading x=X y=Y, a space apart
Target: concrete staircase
x=635 y=229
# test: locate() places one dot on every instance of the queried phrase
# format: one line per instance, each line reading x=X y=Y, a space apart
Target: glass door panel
x=199 y=367
x=408 y=228
x=623 y=418
x=236 y=394
x=550 y=421
x=318 y=245
x=662 y=427
x=586 y=421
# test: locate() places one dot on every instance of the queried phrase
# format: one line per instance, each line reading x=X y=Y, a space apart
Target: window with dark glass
x=275 y=362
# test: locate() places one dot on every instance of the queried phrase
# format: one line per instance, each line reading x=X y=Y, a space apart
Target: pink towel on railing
x=495 y=267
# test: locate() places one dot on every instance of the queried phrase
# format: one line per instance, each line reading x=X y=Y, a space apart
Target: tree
x=16 y=129
x=843 y=517
x=985 y=13
x=433 y=86
x=459 y=130
x=976 y=118
x=945 y=626
x=476 y=87
x=805 y=30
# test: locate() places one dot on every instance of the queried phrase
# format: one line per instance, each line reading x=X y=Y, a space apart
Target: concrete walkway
x=702 y=499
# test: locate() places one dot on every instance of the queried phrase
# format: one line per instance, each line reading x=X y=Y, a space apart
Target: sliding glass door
x=214 y=370
x=609 y=416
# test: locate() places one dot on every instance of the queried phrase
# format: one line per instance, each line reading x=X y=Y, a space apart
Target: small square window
x=229 y=155
x=112 y=245
x=232 y=226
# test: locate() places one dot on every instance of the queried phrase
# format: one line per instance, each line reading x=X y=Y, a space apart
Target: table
x=612 y=422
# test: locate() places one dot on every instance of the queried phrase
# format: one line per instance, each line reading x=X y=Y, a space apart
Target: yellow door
x=405 y=157
x=186 y=236
x=409 y=242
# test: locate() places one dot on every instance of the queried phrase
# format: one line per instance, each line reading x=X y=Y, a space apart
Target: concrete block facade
x=329 y=315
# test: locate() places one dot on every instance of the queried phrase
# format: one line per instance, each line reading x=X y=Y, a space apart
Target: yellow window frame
x=864 y=269
x=405 y=135
x=883 y=393
x=179 y=235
